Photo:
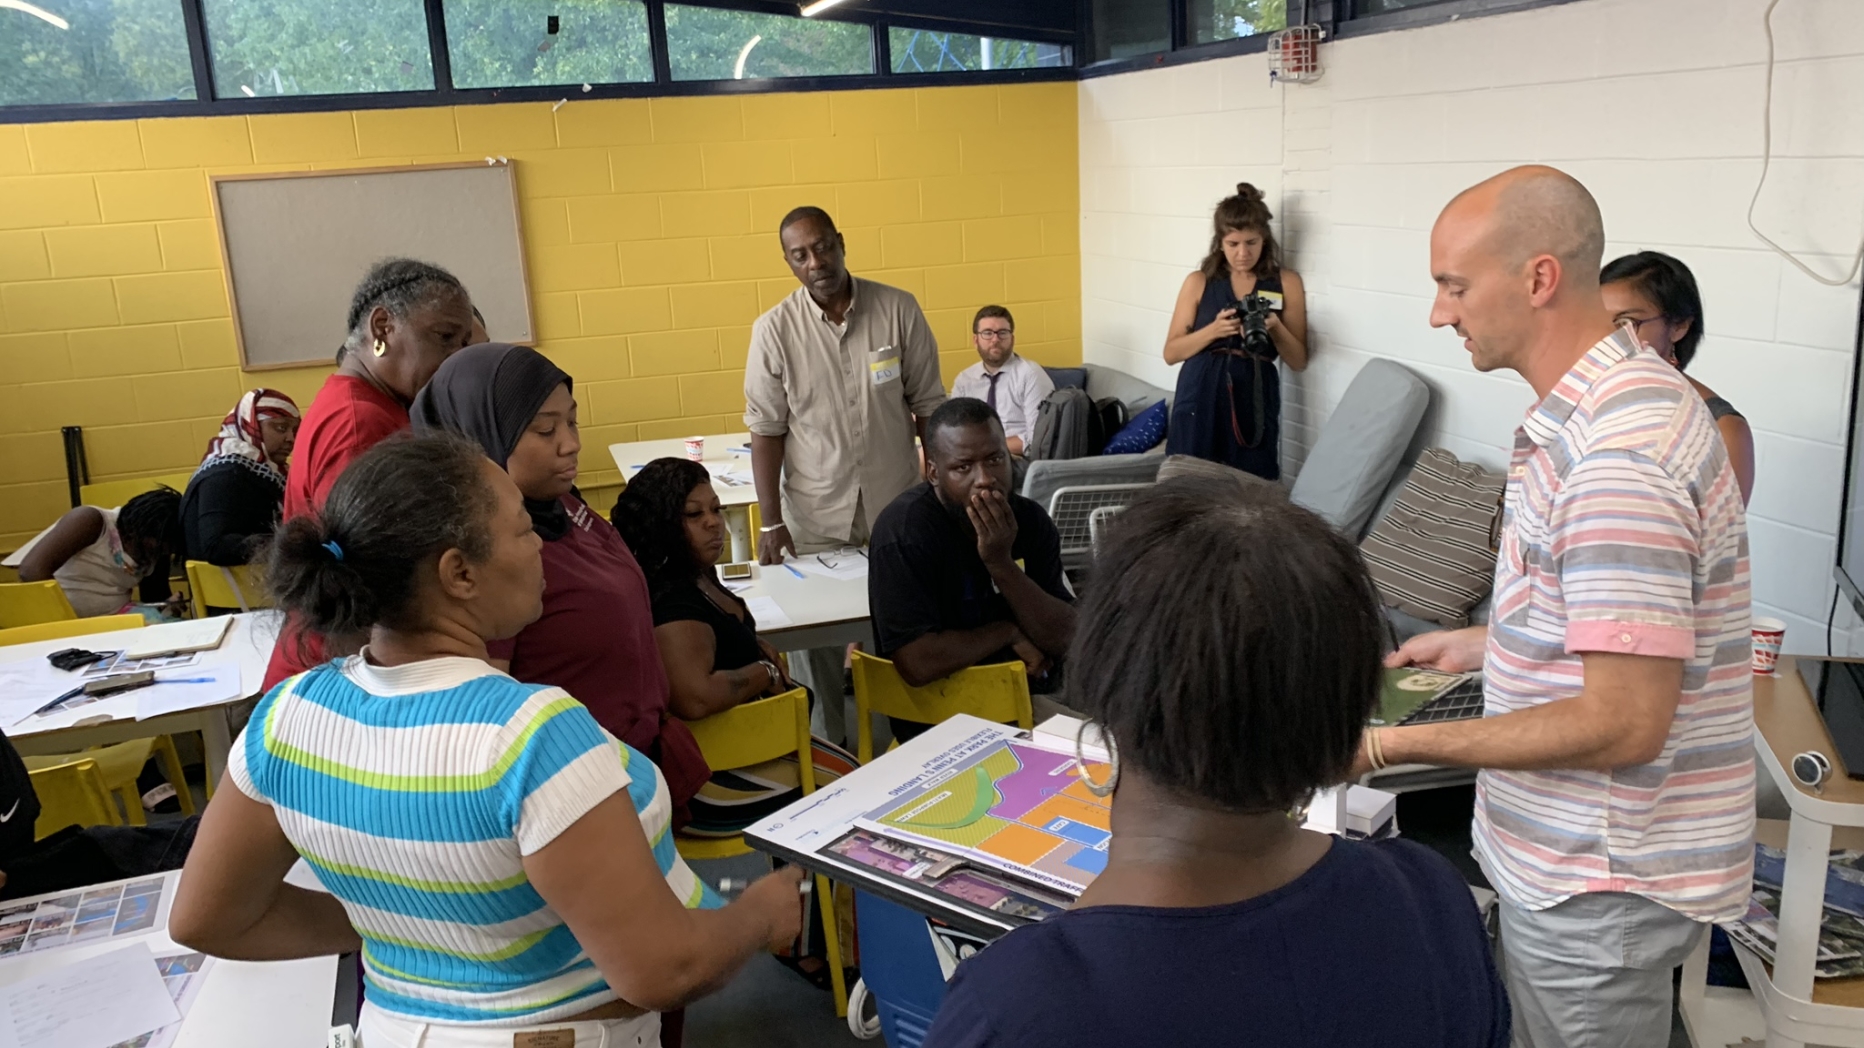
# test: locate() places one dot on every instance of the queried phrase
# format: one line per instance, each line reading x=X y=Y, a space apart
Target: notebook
x=180 y=638
x=1418 y=696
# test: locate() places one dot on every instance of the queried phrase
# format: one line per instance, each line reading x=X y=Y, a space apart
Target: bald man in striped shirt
x=1615 y=806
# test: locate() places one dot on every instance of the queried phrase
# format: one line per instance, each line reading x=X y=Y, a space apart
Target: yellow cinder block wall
x=650 y=234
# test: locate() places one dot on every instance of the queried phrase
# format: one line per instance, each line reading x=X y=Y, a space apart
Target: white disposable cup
x=695 y=449
x=1769 y=635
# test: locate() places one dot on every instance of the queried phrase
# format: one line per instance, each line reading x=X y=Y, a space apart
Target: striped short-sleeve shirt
x=414 y=792
x=1624 y=532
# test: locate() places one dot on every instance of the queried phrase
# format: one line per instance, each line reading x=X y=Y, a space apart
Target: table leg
x=1802 y=905
x=216 y=742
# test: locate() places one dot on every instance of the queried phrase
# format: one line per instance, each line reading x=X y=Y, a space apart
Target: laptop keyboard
x=1461 y=702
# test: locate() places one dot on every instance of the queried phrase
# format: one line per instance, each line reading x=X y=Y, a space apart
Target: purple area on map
x=1034 y=781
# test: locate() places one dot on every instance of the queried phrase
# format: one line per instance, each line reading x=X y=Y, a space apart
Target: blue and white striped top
x=414 y=792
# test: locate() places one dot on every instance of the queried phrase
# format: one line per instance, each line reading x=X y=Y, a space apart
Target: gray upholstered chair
x=1349 y=468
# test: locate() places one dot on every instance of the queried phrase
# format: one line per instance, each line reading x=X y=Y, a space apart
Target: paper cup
x=695 y=449
x=1769 y=634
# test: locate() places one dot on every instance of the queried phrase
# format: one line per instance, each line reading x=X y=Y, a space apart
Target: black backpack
x=1109 y=419
x=1064 y=426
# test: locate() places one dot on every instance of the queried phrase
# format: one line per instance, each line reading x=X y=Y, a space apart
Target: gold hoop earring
x=380 y=348
x=1098 y=789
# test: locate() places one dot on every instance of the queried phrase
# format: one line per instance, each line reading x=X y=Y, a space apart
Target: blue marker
x=793 y=571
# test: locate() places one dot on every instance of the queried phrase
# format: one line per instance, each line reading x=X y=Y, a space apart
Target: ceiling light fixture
x=40 y=12
x=818 y=7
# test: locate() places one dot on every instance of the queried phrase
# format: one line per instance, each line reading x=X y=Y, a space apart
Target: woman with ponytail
x=1228 y=404
x=501 y=861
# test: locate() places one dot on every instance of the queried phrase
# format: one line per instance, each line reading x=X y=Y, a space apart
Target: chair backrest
x=1360 y=446
x=30 y=603
x=111 y=493
x=72 y=794
x=759 y=731
x=71 y=628
x=1072 y=510
x=213 y=586
x=998 y=692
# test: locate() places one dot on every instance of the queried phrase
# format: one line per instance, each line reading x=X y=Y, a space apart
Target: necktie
x=991 y=397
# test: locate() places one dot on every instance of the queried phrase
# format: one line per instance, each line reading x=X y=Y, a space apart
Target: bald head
x=1529 y=211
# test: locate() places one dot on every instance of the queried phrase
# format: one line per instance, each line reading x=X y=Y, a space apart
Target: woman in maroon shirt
x=596 y=637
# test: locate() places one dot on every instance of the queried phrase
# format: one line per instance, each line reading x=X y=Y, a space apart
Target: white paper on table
x=737 y=587
x=187 y=689
x=26 y=686
x=732 y=478
x=94 y=1002
x=768 y=612
x=846 y=568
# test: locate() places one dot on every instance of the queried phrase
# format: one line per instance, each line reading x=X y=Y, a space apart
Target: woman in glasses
x=1656 y=294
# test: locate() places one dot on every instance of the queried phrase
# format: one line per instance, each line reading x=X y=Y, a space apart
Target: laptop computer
x=1418 y=696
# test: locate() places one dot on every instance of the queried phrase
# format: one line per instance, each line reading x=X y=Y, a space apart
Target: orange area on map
x=1019 y=843
x=1065 y=807
x=1079 y=791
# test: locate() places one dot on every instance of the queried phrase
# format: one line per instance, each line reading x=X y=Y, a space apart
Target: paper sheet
x=733 y=479
x=768 y=612
x=95 y=1002
x=828 y=565
x=187 y=689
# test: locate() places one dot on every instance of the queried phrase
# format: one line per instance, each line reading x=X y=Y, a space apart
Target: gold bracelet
x=1375 y=750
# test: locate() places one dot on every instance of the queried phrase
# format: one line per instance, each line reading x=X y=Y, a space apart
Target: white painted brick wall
x=1654 y=104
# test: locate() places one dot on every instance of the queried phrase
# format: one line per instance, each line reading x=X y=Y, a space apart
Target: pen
x=793 y=570
x=60 y=701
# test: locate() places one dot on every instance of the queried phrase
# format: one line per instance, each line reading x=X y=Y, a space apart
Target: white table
x=248 y=646
x=824 y=612
x=279 y=1004
x=719 y=458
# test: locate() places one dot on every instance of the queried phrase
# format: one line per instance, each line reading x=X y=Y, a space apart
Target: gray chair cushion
x=1046 y=475
x=1067 y=378
x=1433 y=555
x=1361 y=445
x=1104 y=382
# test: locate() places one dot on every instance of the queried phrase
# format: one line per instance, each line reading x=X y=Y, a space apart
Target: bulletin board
x=295 y=245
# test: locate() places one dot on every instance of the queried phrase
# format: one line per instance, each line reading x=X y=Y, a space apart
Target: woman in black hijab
x=595 y=639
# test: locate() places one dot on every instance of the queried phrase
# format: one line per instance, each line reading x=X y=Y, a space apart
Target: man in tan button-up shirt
x=837 y=373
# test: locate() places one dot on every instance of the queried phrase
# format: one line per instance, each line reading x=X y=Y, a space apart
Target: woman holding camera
x=1235 y=317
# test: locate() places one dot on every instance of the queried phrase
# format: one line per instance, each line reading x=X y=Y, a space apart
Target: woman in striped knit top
x=503 y=863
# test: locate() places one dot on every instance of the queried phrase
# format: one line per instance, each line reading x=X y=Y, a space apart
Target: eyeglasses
x=1637 y=324
x=995 y=335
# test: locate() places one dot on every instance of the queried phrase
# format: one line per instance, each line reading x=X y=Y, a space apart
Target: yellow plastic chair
x=118 y=767
x=120 y=764
x=751 y=734
x=72 y=793
x=111 y=493
x=73 y=627
x=30 y=603
x=212 y=586
x=997 y=692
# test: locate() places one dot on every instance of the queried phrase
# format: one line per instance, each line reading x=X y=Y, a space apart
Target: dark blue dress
x=1228 y=405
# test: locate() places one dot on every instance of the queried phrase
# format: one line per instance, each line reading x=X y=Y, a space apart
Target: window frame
x=444 y=93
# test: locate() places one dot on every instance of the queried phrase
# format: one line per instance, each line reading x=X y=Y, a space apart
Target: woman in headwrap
x=233 y=499
x=595 y=638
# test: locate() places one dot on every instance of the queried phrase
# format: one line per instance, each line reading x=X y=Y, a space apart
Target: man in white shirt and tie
x=1009 y=383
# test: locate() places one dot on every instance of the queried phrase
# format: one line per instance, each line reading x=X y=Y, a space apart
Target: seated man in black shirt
x=963 y=571
x=73 y=857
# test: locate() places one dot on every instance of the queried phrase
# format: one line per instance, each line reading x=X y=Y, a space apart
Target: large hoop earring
x=380 y=349
x=1098 y=789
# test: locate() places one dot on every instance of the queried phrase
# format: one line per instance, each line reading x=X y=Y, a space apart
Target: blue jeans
x=1595 y=971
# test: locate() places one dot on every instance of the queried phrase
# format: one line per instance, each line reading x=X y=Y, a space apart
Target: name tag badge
x=885 y=367
x=1274 y=297
x=545 y=1039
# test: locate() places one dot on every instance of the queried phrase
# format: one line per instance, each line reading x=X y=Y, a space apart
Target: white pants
x=383 y=1030
x=820 y=669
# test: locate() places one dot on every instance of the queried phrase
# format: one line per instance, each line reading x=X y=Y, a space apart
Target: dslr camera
x=1253 y=311
x=1255 y=314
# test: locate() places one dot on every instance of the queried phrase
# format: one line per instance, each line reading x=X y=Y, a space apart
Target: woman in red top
x=595 y=639
x=404 y=320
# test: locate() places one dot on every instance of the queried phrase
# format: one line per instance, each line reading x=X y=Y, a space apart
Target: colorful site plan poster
x=1014 y=807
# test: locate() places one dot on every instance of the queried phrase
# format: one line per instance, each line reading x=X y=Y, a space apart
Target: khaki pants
x=820 y=669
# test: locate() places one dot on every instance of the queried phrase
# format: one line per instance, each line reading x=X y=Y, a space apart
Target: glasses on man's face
x=995 y=335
